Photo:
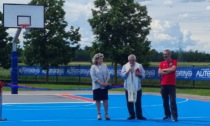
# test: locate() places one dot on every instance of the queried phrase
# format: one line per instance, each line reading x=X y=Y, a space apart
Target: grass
x=5 y=74
x=201 y=92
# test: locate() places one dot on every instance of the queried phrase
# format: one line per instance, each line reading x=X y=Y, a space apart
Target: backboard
x=16 y=15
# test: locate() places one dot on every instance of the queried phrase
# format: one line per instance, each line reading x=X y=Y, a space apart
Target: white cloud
x=76 y=10
x=145 y=2
x=168 y=3
x=142 y=0
x=167 y=34
x=77 y=15
x=208 y=8
x=187 y=43
x=185 y=15
x=166 y=27
x=191 y=44
x=186 y=1
x=16 y=1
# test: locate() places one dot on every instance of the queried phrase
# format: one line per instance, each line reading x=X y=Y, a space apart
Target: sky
x=176 y=24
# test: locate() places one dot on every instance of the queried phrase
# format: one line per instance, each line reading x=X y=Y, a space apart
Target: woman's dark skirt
x=100 y=94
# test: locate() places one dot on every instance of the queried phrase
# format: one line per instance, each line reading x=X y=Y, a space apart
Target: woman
x=100 y=76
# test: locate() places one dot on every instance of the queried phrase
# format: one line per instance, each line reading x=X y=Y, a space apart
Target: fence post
x=1 y=118
x=79 y=74
x=193 y=78
x=35 y=78
x=56 y=78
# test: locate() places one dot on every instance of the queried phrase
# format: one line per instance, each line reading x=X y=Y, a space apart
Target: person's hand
x=137 y=72
x=106 y=83
x=129 y=70
x=101 y=82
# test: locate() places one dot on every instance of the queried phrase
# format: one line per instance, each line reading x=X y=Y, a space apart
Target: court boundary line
x=76 y=97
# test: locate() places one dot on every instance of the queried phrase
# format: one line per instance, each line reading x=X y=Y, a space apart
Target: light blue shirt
x=124 y=76
x=99 y=73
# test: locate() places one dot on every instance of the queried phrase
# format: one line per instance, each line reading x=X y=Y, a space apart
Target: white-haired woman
x=100 y=76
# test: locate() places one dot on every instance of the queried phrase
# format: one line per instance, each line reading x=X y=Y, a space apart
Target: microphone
x=132 y=68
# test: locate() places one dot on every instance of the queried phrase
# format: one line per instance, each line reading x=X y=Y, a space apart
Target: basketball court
x=41 y=108
x=62 y=108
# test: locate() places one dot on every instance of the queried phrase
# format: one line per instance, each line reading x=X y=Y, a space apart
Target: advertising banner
x=182 y=73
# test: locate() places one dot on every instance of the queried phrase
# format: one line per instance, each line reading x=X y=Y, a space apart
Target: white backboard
x=16 y=14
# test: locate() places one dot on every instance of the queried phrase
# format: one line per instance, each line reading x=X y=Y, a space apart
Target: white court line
x=186 y=99
x=47 y=103
x=74 y=107
x=58 y=120
x=48 y=108
x=155 y=105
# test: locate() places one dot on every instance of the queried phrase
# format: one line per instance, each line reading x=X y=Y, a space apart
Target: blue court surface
x=83 y=112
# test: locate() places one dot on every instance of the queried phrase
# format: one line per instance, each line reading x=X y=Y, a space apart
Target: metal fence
x=182 y=73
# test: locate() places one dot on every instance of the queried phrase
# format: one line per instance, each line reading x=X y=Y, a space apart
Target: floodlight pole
x=14 y=63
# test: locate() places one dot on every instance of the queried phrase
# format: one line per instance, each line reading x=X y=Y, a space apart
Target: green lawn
x=5 y=74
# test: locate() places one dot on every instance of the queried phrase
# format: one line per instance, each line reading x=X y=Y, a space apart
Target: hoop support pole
x=1 y=118
x=14 y=63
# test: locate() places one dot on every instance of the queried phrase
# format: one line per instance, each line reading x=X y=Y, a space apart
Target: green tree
x=121 y=27
x=51 y=46
x=156 y=56
x=5 y=46
x=82 y=55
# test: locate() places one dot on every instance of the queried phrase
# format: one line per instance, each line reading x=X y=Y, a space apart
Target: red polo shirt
x=168 y=79
x=1 y=86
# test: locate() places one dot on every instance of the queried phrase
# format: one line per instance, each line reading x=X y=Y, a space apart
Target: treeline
x=184 y=56
x=155 y=56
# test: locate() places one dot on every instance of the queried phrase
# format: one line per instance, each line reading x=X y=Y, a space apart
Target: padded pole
x=14 y=63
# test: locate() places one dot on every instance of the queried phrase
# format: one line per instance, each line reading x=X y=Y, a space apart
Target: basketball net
x=26 y=27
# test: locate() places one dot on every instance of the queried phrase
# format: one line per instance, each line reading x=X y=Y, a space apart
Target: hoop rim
x=23 y=26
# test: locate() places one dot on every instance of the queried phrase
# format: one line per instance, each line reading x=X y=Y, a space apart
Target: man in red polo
x=167 y=70
x=1 y=86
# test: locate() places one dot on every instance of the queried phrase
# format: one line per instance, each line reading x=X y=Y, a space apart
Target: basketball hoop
x=26 y=27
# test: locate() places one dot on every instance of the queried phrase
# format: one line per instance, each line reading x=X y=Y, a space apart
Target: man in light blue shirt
x=132 y=73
